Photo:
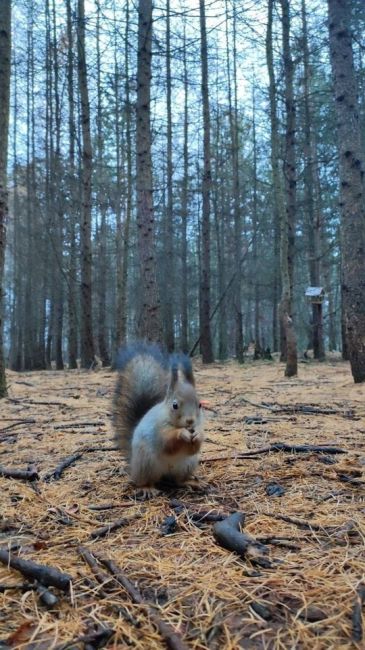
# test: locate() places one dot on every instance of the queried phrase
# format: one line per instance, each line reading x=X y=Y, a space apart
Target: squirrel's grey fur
x=157 y=414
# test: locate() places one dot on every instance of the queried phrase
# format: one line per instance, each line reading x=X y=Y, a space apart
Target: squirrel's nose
x=189 y=422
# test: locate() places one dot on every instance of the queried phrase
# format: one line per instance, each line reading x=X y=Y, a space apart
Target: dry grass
x=210 y=595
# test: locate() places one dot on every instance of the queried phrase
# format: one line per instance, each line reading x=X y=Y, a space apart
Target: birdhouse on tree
x=315 y=295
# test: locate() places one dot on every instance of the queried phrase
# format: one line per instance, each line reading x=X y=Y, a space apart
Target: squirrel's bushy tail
x=142 y=383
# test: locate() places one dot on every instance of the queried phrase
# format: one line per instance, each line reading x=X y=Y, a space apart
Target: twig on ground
x=357 y=629
x=23 y=474
x=307 y=409
x=18 y=423
x=66 y=462
x=170 y=636
x=90 y=641
x=296 y=522
x=46 y=575
x=105 y=579
x=277 y=447
x=72 y=425
x=114 y=525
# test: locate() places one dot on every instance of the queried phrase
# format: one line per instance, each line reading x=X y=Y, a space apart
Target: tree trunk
x=102 y=204
x=277 y=182
x=205 y=331
x=87 y=341
x=288 y=221
x=150 y=326
x=184 y=211
x=169 y=253
x=5 y=58
x=313 y=214
x=351 y=164
x=72 y=267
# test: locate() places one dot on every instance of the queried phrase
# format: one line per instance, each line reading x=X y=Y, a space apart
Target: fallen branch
x=172 y=638
x=72 y=425
x=17 y=424
x=91 y=640
x=306 y=409
x=104 y=579
x=114 y=525
x=89 y=558
x=23 y=474
x=296 y=522
x=228 y=534
x=277 y=447
x=357 y=630
x=46 y=575
x=56 y=474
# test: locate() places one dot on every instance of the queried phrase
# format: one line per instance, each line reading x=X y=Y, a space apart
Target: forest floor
x=305 y=593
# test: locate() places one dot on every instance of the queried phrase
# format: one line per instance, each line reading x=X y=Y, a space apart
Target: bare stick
x=18 y=423
x=23 y=474
x=297 y=522
x=72 y=425
x=172 y=639
x=103 y=579
x=277 y=447
x=114 y=525
x=66 y=462
x=46 y=575
x=357 y=631
x=229 y=535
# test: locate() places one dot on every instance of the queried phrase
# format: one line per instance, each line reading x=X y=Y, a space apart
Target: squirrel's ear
x=174 y=378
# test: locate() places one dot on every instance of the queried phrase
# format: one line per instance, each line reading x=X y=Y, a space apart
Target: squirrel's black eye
x=175 y=405
x=200 y=405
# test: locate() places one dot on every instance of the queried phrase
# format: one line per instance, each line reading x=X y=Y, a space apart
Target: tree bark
x=184 y=210
x=205 y=330
x=150 y=326
x=351 y=167
x=5 y=58
x=169 y=254
x=87 y=341
x=313 y=213
x=277 y=182
x=72 y=267
x=288 y=222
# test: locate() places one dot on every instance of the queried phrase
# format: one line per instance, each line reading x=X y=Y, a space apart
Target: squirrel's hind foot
x=147 y=493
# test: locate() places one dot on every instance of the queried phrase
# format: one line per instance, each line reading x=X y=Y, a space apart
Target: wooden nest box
x=315 y=295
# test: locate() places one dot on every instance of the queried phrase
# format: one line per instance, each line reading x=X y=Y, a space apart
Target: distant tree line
x=182 y=174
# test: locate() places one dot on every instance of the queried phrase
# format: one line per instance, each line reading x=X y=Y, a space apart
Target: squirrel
x=157 y=416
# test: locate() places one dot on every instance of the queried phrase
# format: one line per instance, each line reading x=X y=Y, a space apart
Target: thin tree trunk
x=102 y=206
x=184 y=210
x=351 y=165
x=87 y=341
x=129 y=180
x=312 y=210
x=150 y=326
x=5 y=64
x=278 y=198
x=205 y=331
x=71 y=285
x=288 y=222
x=169 y=254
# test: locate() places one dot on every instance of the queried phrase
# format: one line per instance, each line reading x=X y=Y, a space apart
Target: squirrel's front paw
x=186 y=435
x=147 y=493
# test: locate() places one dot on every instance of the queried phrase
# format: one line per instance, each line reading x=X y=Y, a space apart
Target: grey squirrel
x=157 y=415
